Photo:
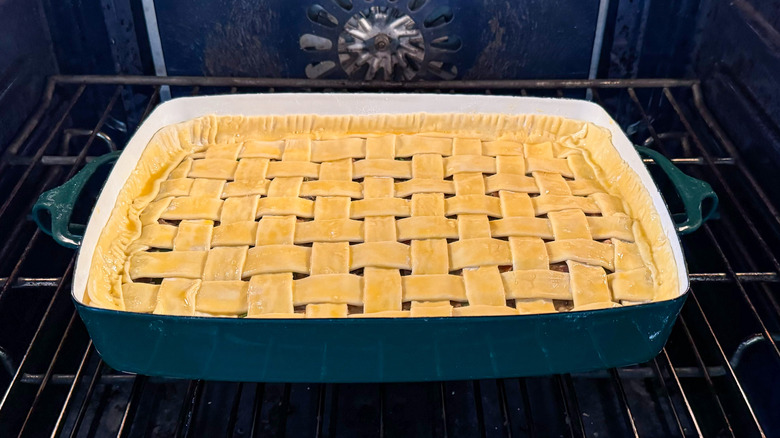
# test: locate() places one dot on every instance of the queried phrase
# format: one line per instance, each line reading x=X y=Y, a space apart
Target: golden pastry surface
x=380 y=216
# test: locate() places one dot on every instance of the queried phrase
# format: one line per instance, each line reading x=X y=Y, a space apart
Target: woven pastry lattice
x=394 y=225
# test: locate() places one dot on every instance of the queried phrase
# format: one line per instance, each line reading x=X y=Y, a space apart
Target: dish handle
x=693 y=192
x=54 y=208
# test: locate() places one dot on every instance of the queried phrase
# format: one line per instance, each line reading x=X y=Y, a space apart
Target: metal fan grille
x=394 y=41
x=384 y=42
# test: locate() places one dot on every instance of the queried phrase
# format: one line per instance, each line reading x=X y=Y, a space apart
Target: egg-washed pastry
x=405 y=215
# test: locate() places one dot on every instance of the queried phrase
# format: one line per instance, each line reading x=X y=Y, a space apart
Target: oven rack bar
x=699 y=331
x=720 y=277
x=200 y=81
x=59 y=160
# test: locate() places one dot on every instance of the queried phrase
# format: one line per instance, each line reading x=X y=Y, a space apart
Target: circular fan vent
x=391 y=41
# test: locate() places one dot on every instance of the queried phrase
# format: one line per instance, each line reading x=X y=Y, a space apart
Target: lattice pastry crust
x=380 y=216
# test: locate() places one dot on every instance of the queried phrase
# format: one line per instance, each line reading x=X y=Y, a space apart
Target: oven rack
x=699 y=385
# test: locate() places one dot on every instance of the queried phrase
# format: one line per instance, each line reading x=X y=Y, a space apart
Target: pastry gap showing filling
x=174 y=223
x=148 y=280
x=347 y=227
x=563 y=305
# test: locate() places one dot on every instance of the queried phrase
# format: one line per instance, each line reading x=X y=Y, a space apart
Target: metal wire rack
x=716 y=376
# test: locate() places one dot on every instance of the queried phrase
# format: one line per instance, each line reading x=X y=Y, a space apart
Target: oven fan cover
x=372 y=40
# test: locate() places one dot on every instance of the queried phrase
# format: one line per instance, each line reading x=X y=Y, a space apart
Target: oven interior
x=77 y=78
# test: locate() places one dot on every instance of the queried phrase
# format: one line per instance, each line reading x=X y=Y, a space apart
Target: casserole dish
x=383 y=349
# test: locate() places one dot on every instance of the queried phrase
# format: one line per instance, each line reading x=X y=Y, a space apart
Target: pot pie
x=380 y=216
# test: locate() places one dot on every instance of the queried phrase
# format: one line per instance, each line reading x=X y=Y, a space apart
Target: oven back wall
x=26 y=58
x=424 y=39
x=739 y=60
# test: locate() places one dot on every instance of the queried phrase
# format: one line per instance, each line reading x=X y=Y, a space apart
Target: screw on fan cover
x=390 y=41
x=386 y=40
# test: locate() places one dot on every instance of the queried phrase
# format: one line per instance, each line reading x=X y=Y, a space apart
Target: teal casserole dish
x=381 y=349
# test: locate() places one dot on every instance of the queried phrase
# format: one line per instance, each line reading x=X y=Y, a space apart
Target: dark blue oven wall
x=531 y=38
x=487 y=39
x=26 y=58
x=498 y=39
x=733 y=46
x=738 y=60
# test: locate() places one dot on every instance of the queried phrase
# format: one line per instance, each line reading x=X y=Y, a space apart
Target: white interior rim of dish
x=186 y=108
